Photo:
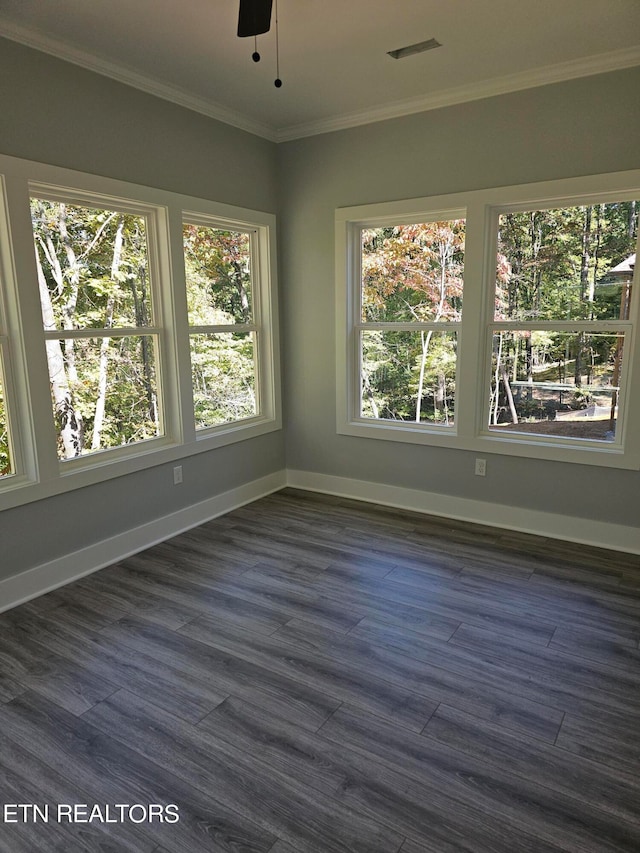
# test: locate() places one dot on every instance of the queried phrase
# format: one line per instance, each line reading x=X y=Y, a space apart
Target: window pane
x=224 y=378
x=104 y=392
x=6 y=464
x=573 y=263
x=218 y=269
x=93 y=266
x=412 y=272
x=409 y=376
x=559 y=384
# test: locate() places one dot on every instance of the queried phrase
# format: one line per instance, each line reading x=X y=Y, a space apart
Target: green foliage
x=219 y=293
x=130 y=390
x=94 y=274
x=218 y=269
x=223 y=373
x=90 y=286
x=554 y=265
x=413 y=272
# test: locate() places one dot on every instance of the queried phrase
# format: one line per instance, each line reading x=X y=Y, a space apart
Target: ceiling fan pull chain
x=277 y=82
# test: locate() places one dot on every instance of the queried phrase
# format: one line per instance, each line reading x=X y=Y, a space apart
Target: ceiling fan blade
x=254 y=17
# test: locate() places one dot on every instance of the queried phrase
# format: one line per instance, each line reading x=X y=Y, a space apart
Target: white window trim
x=470 y=432
x=263 y=319
x=16 y=379
x=39 y=473
x=358 y=325
x=160 y=329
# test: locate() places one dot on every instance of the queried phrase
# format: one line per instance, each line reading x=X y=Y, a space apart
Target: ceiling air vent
x=420 y=47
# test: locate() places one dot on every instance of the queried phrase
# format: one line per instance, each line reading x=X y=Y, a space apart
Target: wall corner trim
x=55 y=573
x=584 y=531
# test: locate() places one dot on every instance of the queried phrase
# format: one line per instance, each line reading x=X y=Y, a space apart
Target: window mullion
x=177 y=298
x=471 y=383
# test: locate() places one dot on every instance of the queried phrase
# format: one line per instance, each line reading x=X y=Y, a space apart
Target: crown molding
x=571 y=70
x=133 y=78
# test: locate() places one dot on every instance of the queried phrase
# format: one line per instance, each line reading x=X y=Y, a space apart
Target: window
x=561 y=320
x=538 y=363
x=223 y=330
x=99 y=314
x=410 y=311
x=151 y=322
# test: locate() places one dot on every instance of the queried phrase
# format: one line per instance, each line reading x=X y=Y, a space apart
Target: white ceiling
x=333 y=53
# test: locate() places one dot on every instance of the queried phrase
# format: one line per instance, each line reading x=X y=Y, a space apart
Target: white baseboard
x=569 y=528
x=55 y=573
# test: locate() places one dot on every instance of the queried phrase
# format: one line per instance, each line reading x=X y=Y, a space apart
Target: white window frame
x=159 y=330
x=262 y=309
x=13 y=364
x=358 y=325
x=6 y=389
x=39 y=472
x=471 y=431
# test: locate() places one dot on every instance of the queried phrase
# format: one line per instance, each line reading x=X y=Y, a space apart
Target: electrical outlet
x=481 y=467
x=177 y=475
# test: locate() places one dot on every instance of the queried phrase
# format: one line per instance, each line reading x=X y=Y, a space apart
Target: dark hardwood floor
x=315 y=675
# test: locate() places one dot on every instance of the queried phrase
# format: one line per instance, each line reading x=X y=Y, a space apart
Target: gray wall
x=54 y=112
x=577 y=128
x=58 y=113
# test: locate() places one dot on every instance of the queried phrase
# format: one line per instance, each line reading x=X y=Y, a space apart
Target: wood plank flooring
x=315 y=675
